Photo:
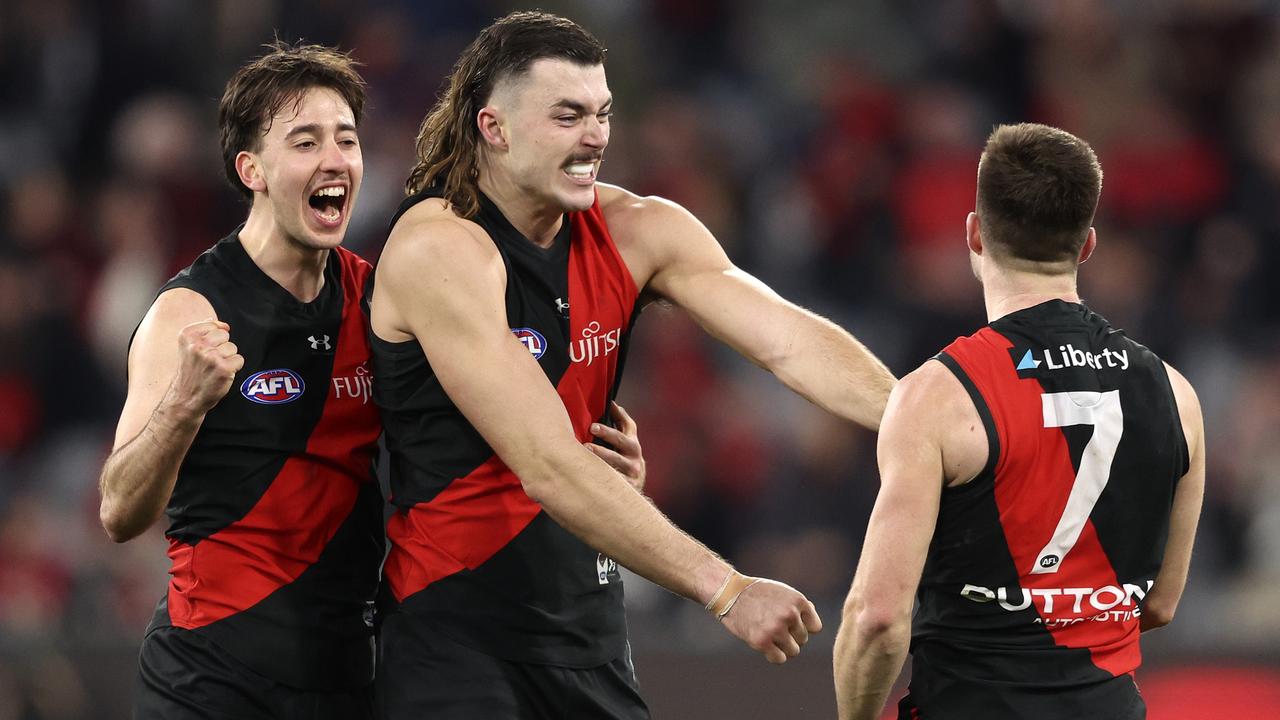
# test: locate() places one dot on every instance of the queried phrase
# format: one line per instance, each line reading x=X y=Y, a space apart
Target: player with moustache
x=1041 y=480
x=249 y=423
x=501 y=318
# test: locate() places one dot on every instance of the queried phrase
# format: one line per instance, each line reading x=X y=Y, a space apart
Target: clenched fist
x=773 y=618
x=208 y=363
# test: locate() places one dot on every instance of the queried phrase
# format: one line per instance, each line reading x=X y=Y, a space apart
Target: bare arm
x=180 y=364
x=810 y=354
x=443 y=282
x=1162 y=602
x=875 y=628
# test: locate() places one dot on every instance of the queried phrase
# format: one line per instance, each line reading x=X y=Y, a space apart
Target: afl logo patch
x=273 y=387
x=532 y=340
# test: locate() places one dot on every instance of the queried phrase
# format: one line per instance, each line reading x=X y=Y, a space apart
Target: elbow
x=882 y=626
x=118 y=528
x=877 y=623
x=1156 y=615
x=541 y=479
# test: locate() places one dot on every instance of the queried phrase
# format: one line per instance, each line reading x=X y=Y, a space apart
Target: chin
x=580 y=200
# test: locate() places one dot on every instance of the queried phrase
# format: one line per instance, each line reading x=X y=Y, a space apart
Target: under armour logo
x=562 y=307
x=321 y=344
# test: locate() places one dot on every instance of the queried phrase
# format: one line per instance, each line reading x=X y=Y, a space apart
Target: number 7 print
x=1104 y=413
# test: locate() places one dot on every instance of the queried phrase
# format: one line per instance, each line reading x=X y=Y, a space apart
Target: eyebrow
x=316 y=128
x=578 y=107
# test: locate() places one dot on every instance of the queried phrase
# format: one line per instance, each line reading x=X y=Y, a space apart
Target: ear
x=973 y=233
x=489 y=120
x=1090 y=243
x=249 y=168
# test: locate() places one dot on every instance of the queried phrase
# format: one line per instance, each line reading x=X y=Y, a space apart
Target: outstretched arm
x=181 y=363
x=443 y=282
x=810 y=354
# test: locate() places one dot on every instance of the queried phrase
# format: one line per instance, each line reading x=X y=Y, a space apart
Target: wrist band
x=732 y=588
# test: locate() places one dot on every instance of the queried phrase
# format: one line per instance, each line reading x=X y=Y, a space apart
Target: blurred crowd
x=831 y=146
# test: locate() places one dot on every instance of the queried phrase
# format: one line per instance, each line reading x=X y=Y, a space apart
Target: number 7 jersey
x=1034 y=582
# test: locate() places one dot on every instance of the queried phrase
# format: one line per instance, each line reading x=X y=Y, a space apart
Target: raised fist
x=208 y=363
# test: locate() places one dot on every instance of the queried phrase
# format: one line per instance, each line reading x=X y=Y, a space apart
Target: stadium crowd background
x=831 y=146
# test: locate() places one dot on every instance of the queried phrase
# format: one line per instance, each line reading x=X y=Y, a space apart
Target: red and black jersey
x=275 y=521
x=468 y=547
x=1030 y=596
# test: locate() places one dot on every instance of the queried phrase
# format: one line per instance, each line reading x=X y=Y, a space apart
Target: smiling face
x=552 y=129
x=307 y=170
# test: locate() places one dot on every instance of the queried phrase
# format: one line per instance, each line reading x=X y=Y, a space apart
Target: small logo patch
x=533 y=340
x=320 y=343
x=273 y=387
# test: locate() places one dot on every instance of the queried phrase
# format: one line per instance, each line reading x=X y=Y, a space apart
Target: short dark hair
x=1038 y=189
x=259 y=90
x=449 y=140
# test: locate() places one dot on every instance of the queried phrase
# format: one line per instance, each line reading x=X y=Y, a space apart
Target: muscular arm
x=810 y=354
x=914 y=463
x=181 y=362
x=443 y=282
x=1162 y=602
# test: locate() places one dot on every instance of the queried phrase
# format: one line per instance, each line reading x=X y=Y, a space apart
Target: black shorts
x=1116 y=699
x=422 y=673
x=184 y=676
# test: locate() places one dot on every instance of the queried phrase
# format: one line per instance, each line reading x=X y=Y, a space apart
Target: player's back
x=1035 y=578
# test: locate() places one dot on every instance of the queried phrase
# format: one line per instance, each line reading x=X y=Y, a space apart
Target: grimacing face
x=555 y=118
x=309 y=168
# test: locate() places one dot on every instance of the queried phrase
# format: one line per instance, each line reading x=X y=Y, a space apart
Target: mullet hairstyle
x=448 y=143
x=260 y=90
x=1038 y=190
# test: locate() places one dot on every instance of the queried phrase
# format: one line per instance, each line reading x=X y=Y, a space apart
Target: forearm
x=138 y=478
x=866 y=664
x=596 y=504
x=832 y=369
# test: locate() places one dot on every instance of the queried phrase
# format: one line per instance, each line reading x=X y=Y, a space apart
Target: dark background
x=831 y=147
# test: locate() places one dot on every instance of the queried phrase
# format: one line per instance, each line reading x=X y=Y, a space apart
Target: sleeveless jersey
x=469 y=549
x=1034 y=581
x=274 y=522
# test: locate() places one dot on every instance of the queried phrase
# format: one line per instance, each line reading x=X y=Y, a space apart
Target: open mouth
x=329 y=204
x=582 y=171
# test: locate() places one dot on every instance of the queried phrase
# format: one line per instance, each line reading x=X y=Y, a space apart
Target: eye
x=306 y=145
x=348 y=142
x=567 y=119
x=604 y=116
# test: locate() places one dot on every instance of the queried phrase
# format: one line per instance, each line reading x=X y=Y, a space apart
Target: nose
x=596 y=135
x=333 y=158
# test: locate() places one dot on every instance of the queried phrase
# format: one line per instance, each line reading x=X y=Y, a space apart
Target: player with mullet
x=501 y=316
x=1041 y=480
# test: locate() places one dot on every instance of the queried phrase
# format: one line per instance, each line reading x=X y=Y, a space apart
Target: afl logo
x=1048 y=561
x=273 y=387
x=532 y=340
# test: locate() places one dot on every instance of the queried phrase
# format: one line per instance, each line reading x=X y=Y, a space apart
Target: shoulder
x=430 y=236
x=929 y=411
x=172 y=310
x=930 y=393
x=624 y=209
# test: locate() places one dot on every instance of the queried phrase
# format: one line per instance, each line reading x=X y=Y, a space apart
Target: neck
x=294 y=267
x=537 y=221
x=1008 y=291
